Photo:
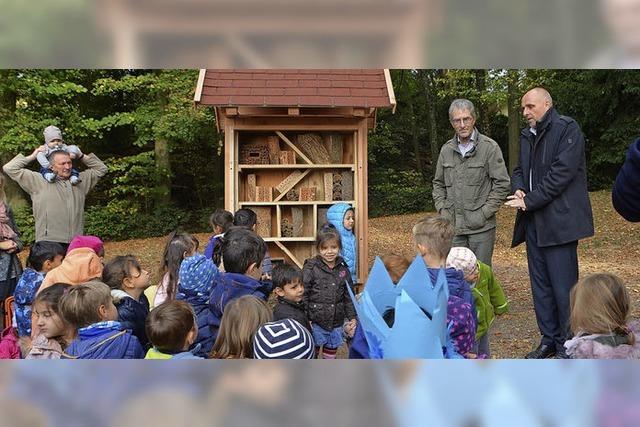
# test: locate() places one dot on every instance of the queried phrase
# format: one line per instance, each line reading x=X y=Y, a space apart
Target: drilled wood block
x=292 y=195
x=287 y=157
x=264 y=221
x=254 y=154
x=251 y=187
x=335 y=142
x=297 y=216
x=273 y=143
x=312 y=147
x=337 y=186
x=347 y=185
x=264 y=194
x=328 y=187
x=286 y=229
x=307 y=194
x=322 y=216
x=286 y=183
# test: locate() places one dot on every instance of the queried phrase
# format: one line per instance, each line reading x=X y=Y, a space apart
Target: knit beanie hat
x=92 y=242
x=463 y=259
x=51 y=133
x=196 y=274
x=283 y=339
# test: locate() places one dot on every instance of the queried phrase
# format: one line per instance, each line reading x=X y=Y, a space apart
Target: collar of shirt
x=533 y=131
x=465 y=148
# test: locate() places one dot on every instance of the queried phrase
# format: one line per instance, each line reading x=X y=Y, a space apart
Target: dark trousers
x=553 y=271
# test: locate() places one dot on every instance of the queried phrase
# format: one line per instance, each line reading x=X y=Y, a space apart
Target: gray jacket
x=469 y=190
x=58 y=207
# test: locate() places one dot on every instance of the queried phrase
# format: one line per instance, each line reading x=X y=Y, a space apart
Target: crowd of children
x=72 y=304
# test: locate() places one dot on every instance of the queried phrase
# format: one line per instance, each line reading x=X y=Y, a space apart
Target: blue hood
x=335 y=216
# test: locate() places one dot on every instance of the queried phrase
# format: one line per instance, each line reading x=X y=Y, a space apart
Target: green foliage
x=26 y=224
x=395 y=192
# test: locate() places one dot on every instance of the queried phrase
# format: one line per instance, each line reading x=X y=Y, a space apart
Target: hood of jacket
x=105 y=340
x=587 y=347
x=79 y=266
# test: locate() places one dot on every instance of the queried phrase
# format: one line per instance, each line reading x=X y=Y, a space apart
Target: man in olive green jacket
x=471 y=182
x=58 y=207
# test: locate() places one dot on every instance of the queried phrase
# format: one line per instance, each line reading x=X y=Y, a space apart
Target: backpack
x=9 y=348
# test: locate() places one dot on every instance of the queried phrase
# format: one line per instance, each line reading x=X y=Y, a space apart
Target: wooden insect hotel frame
x=295 y=143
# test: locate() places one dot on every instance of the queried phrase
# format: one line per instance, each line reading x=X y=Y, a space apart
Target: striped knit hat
x=283 y=339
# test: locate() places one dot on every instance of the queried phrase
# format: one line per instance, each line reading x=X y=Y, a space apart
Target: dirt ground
x=615 y=248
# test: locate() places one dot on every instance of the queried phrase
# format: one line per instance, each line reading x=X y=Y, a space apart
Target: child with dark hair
x=172 y=329
x=179 y=246
x=128 y=281
x=90 y=310
x=288 y=286
x=242 y=253
x=220 y=222
x=326 y=277
x=247 y=218
x=55 y=333
x=197 y=277
x=43 y=257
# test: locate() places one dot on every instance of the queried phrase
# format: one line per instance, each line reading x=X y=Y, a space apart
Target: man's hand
x=519 y=194
x=516 y=202
x=33 y=155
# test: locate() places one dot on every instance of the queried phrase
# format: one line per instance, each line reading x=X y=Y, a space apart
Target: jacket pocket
x=474 y=219
x=449 y=174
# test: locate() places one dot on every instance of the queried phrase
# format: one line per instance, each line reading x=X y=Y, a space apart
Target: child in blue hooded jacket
x=197 y=279
x=342 y=217
x=89 y=308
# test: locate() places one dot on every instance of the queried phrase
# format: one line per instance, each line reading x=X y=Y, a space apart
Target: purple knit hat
x=92 y=242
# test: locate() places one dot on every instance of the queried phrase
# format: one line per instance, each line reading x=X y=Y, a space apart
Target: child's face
x=54 y=143
x=293 y=291
x=349 y=220
x=48 y=321
x=329 y=251
x=138 y=279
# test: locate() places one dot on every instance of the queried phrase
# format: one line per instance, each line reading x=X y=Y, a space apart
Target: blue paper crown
x=413 y=335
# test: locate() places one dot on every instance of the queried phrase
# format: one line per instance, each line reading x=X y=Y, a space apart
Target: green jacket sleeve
x=496 y=294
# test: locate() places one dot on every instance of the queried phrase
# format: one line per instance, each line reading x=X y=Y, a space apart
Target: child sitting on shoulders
x=600 y=309
x=242 y=255
x=128 y=280
x=487 y=293
x=241 y=319
x=433 y=237
x=53 y=142
x=90 y=310
x=43 y=257
x=179 y=246
x=197 y=277
x=326 y=277
x=55 y=333
x=172 y=329
x=220 y=222
x=288 y=286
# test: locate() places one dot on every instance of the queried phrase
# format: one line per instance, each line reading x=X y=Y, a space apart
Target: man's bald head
x=535 y=103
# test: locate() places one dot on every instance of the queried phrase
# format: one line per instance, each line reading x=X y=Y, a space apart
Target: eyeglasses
x=462 y=121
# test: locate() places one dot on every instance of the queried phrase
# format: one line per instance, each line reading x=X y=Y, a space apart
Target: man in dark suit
x=550 y=192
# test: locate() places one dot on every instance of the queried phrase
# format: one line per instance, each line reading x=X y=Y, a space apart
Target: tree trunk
x=481 y=86
x=163 y=165
x=430 y=98
x=15 y=196
x=513 y=119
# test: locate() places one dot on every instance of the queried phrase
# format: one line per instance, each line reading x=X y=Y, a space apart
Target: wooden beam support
x=289 y=254
x=292 y=183
x=293 y=147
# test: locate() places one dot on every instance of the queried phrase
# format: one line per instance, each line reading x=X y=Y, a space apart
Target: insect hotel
x=295 y=143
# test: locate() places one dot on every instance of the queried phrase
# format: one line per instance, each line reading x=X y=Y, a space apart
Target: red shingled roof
x=295 y=88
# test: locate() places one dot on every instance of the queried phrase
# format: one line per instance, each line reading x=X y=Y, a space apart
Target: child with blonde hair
x=241 y=319
x=600 y=308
